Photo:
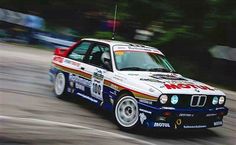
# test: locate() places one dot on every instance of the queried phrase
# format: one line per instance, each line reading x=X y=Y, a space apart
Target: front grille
x=198 y=100
x=194 y=101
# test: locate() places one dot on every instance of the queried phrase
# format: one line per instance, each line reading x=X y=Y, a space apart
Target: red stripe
x=71 y=68
x=130 y=89
x=107 y=80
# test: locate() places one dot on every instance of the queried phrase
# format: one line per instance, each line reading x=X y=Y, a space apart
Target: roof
x=119 y=43
x=110 y=42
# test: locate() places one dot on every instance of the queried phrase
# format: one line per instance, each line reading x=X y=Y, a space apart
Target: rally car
x=137 y=84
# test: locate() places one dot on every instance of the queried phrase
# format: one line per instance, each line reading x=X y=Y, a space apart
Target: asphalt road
x=30 y=113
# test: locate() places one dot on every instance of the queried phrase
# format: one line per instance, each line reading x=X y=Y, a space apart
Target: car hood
x=171 y=83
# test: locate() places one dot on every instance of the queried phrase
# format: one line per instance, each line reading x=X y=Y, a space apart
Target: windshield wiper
x=134 y=68
x=160 y=70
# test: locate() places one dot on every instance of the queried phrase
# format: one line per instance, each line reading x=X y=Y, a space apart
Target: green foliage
x=190 y=25
x=184 y=20
x=181 y=35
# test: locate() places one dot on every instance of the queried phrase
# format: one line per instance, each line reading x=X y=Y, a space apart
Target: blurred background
x=197 y=36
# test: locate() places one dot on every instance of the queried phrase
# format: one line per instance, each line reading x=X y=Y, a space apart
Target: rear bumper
x=189 y=118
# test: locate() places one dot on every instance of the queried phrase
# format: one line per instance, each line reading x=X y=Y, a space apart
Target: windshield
x=141 y=61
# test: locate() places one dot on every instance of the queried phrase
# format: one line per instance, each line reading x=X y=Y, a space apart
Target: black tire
x=126 y=112
x=60 y=85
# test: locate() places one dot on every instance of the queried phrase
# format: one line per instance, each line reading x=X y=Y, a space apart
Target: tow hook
x=177 y=123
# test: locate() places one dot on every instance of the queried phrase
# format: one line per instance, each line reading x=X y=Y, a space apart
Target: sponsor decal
x=143 y=48
x=118 y=48
x=168 y=77
x=142 y=117
x=194 y=126
x=79 y=86
x=187 y=86
x=145 y=111
x=72 y=62
x=149 y=80
x=118 y=78
x=209 y=115
x=133 y=74
x=185 y=115
x=113 y=93
x=79 y=80
x=87 y=97
x=119 y=53
x=168 y=108
x=159 y=124
x=98 y=75
x=58 y=59
x=217 y=123
x=145 y=101
x=220 y=108
x=121 y=48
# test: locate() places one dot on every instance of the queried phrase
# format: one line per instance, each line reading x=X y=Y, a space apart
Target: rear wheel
x=59 y=85
x=126 y=112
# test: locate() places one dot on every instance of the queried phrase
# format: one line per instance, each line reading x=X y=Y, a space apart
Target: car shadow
x=85 y=104
x=176 y=134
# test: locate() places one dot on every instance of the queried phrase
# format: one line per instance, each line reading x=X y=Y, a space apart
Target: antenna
x=114 y=23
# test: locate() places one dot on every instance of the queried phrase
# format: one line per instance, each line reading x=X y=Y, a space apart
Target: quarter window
x=79 y=52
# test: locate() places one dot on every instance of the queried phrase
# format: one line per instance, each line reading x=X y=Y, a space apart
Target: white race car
x=137 y=84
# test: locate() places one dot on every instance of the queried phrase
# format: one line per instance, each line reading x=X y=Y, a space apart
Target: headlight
x=163 y=99
x=215 y=100
x=174 y=99
x=221 y=100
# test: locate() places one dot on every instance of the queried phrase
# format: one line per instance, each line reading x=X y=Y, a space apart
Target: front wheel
x=126 y=112
x=59 y=85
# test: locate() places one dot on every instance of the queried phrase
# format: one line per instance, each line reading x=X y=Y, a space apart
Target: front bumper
x=178 y=118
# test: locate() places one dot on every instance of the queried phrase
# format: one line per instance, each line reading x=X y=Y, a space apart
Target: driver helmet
x=104 y=56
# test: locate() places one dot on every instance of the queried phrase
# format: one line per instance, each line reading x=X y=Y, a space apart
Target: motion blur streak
x=100 y=132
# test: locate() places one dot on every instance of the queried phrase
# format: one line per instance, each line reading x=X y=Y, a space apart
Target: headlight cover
x=163 y=99
x=174 y=99
x=215 y=100
x=221 y=100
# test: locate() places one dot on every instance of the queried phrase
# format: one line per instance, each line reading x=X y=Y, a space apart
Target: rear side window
x=79 y=52
x=94 y=57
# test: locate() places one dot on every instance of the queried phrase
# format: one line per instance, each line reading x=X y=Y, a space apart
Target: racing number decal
x=97 y=85
x=96 y=88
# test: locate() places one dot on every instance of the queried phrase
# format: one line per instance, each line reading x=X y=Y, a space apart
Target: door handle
x=82 y=68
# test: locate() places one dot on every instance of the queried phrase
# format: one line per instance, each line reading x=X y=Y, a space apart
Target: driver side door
x=96 y=69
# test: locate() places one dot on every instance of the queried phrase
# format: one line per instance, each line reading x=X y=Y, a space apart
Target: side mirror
x=107 y=64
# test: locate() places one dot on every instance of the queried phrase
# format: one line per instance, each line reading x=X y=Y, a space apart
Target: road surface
x=30 y=113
